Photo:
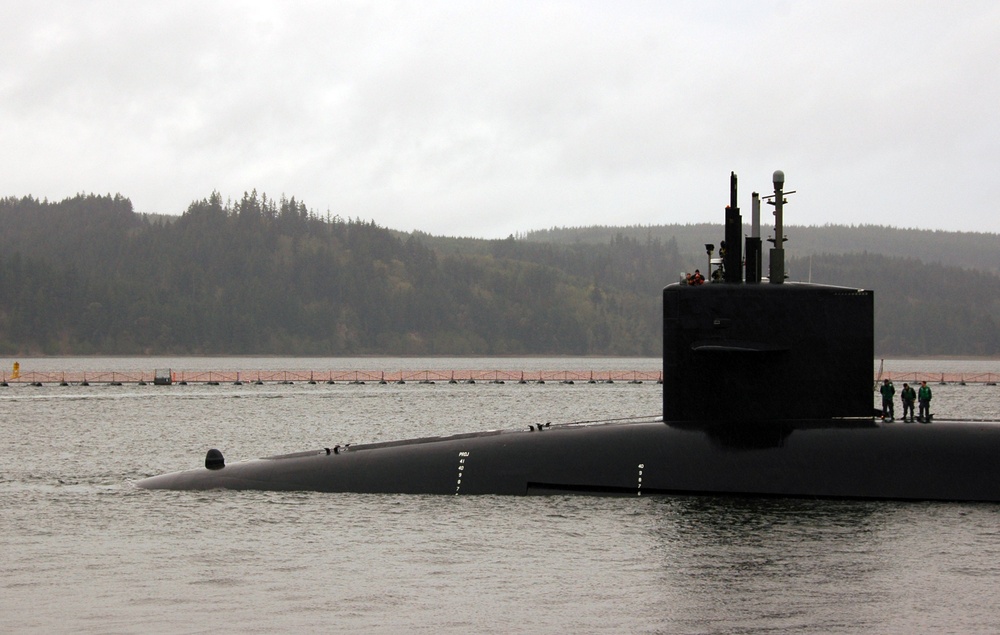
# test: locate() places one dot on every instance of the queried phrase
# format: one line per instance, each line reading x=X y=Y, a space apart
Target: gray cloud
x=488 y=119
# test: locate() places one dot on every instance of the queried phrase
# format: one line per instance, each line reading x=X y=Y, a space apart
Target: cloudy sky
x=490 y=118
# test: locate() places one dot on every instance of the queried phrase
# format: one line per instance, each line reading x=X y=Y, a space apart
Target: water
x=85 y=551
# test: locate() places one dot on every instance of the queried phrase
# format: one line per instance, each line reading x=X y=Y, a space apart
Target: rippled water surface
x=84 y=551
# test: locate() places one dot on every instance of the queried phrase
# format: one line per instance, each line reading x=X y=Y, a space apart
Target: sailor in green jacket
x=924 y=398
x=909 y=397
x=887 y=390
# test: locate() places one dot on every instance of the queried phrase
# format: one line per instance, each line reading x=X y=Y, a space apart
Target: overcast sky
x=491 y=118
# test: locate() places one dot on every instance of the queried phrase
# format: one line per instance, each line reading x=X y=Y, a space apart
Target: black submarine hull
x=766 y=392
x=953 y=461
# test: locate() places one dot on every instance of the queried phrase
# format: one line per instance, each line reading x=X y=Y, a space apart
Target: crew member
x=909 y=396
x=887 y=390
x=924 y=397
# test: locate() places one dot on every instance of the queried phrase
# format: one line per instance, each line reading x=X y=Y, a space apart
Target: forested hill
x=262 y=276
x=969 y=250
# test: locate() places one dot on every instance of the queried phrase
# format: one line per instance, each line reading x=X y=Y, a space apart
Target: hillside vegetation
x=968 y=250
x=87 y=275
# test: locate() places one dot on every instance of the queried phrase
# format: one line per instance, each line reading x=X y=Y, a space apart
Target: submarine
x=767 y=391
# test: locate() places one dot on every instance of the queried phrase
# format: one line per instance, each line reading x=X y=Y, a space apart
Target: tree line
x=87 y=275
x=968 y=250
x=258 y=275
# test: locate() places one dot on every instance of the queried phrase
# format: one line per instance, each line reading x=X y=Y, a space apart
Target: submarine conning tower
x=740 y=348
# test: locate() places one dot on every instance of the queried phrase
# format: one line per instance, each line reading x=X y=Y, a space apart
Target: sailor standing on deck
x=909 y=396
x=924 y=397
x=888 y=391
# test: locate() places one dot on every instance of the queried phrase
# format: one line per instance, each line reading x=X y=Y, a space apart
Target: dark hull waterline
x=837 y=459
